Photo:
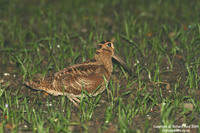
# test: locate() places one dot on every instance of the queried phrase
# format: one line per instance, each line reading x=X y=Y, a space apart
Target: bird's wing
x=78 y=77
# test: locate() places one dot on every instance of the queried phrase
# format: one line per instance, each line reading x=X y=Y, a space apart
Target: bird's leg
x=74 y=100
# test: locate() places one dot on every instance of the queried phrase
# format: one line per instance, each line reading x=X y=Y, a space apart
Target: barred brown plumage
x=88 y=75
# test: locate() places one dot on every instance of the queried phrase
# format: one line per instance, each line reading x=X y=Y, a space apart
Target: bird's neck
x=105 y=60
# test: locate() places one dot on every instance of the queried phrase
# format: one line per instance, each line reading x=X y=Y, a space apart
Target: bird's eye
x=109 y=44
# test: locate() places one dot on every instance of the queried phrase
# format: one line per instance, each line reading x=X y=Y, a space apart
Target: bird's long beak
x=122 y=63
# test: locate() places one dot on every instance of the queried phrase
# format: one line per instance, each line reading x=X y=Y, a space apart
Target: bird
x=92 y=76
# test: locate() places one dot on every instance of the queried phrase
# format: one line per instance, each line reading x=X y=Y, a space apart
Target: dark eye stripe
x=97 y=52
x=106 y=50
x=99 y=46
x=102 y=42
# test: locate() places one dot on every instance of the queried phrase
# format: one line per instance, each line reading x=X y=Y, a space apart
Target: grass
x=159 y=41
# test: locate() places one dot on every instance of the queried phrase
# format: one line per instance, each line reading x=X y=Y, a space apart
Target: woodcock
x=91 y=76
